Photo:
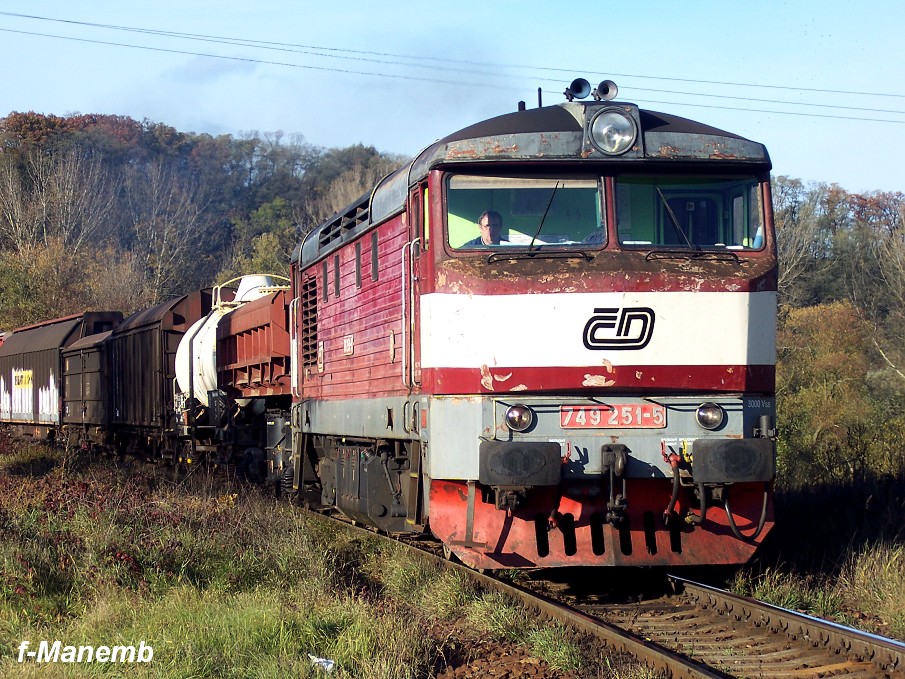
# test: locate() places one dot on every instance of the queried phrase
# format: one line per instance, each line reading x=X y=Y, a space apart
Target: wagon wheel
x=253 y=466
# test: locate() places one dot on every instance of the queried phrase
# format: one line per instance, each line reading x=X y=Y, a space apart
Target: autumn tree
x=40 y=282
x=263 y=242
x=62 y=193
x=796 y=212
x=832 y=408
x=166 y=211
x=345 y=184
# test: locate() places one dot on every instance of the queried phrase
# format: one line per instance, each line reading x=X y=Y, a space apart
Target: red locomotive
x=547 y=340
x=550 y=340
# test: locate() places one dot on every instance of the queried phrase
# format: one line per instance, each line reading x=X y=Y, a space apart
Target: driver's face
x=491 y=229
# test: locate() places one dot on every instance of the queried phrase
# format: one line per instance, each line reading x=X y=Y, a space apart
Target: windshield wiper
x=540 y=254
x=544 y=218
x=674 y=220
x=697 y=254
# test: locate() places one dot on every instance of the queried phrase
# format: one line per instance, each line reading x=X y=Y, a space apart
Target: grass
x=837 y=552
x=875 y=579
x=223 y=582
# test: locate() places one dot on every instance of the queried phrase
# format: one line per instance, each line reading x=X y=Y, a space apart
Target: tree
x=795 y=217
x=832 y=418
x=42 y=281
x=345 y=184
x=262 y=243
x=63 y=193
x=167 y=215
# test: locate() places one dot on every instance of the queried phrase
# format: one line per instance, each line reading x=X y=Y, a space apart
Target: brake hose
x=763 y=515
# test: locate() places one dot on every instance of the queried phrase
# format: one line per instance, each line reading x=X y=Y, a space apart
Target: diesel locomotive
x=548 y=340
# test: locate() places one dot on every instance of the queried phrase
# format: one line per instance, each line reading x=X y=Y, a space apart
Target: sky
x=820 y=82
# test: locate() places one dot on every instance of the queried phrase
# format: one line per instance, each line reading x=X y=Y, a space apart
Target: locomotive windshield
x=487 y=212
x=689 y=212
x=652 y=211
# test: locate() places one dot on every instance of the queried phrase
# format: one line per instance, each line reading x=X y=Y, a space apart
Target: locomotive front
x=592 y=303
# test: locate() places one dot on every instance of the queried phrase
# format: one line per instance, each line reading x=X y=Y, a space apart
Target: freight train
x=548 y=340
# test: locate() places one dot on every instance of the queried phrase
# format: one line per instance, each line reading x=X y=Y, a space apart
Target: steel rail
x=888 y=654
x=652 y=655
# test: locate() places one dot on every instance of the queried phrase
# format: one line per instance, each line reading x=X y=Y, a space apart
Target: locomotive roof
x=556 y=133
x=560 y=119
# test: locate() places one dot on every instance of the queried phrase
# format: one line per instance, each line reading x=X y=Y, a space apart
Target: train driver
x=490 y=225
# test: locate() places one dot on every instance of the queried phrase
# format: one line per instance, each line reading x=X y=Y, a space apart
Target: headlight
x=710 y=415
x=613 y=132
x=519 y=418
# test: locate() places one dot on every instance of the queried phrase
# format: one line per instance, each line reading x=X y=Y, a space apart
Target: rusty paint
x=611 y=269
x=597 y=381
x=722 y=156
x=468 y=153
x=486 y=378
x=668 y=152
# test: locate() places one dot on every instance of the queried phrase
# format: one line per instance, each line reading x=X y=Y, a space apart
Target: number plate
x=613 y=416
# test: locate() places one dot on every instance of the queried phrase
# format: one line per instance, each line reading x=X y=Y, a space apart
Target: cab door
x=413 y=258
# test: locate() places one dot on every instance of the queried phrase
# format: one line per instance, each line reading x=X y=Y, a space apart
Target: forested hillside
x=108 y=212
x=841 y=369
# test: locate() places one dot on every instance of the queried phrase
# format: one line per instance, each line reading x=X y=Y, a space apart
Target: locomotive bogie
x=370 y=481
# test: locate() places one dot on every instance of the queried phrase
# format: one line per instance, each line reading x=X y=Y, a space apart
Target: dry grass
x=838 y=552
x=224 y=582
x=873 y=582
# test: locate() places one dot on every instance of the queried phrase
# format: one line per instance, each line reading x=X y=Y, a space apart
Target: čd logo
x=628 y=328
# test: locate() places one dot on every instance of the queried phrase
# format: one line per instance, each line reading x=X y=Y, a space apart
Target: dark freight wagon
x=31 y=369
x=142 y=361
x=86 y=399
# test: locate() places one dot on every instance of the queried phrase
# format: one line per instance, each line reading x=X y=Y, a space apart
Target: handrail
x=404 y=317
x=411 y=345
x=408 y=308
x=293 y=347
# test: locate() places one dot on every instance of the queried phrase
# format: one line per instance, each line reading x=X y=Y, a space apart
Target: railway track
x=740 y=636
x=701 y=631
